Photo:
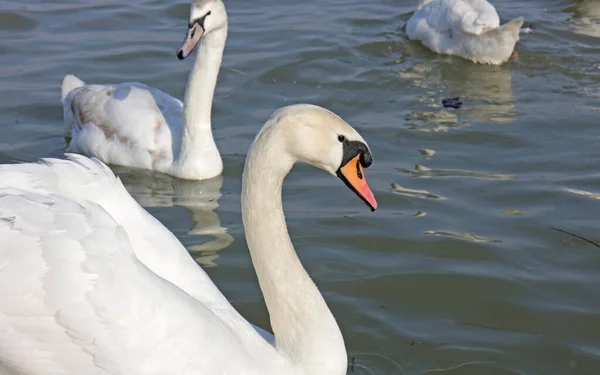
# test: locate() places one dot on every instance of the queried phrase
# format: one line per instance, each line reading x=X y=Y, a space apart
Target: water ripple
x=425 y=172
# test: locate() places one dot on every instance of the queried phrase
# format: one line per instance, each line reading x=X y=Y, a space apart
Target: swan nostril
x=358 y=172
x=180 y=55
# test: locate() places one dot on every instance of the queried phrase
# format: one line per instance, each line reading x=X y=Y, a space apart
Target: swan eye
x=341 y=138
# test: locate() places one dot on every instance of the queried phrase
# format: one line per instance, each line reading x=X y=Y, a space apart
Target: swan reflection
x=200 y=198
x=585 y=17
x=485 y=90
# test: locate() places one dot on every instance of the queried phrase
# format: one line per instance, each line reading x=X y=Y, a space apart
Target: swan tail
x=512 y=28
x=496 y=45
x=505 y=36
x=70 y=83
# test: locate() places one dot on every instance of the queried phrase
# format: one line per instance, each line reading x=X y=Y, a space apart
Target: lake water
x=468 y=277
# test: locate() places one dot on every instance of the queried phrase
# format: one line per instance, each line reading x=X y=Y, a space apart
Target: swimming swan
x=466 y=28
x=135 y=125
x=91 y=283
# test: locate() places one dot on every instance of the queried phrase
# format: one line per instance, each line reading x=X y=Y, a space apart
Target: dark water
x=467 y=277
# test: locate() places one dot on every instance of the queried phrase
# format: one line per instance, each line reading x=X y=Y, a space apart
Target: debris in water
x=452 y=103
x=427 y=152
x=577 y=236
x=422 y=168
x=527 y=29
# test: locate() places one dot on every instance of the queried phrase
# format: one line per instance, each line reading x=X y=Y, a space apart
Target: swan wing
x=88 y=180
x=31 y=341
x=466 y=16
x=82 y=179
x=74 y=299
x=127 y=124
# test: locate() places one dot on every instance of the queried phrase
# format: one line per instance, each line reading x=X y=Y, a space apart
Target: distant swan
x=466 y=28
x=135 y=125
x=90 y=283
x=586 y=17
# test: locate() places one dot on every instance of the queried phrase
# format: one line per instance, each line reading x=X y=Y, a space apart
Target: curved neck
x=306 y=332
x=197 y=144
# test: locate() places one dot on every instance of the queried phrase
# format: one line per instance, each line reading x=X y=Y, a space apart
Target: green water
x=465 y=278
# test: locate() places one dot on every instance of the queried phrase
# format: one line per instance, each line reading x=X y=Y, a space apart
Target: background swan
x=466 y=28
x=90 y=283
x=586 y=17
x=135 y=125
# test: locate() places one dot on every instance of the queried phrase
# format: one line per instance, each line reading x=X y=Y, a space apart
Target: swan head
x=205 y=16
x=319 y=137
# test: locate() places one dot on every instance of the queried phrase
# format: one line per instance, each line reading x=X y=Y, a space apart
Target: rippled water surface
x=460 y=270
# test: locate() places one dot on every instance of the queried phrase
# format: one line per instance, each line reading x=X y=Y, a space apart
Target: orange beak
x=353 y=176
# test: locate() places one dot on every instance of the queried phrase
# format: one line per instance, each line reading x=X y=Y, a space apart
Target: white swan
x=586 y=17
x=135 y=125
x=466 y=28
x=90 y=283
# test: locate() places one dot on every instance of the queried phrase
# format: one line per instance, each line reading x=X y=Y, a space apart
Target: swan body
x=466 y=28
x=90 y=283
x=135 y=125
x=585 y=17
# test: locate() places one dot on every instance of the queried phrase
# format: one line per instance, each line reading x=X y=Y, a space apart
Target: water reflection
x=200 y=198
x=586 y=17
x=426 y=172
x=362 y=363
x=486 y=92
x=397 y=189
x=462 y=235
x=589 y=194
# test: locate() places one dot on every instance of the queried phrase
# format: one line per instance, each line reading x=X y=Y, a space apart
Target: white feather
x=466 y=28
x=87 y=305
x=101 y=282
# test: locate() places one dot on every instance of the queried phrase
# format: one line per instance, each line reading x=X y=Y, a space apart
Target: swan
x=466 y=28
x=134 y=125
x=91 y=283
x=585 y=17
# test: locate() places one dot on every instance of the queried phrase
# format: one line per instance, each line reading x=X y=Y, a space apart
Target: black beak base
x=353 y=148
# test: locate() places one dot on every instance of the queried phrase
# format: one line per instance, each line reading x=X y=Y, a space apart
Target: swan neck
x=197 y=138
x=304 y=328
